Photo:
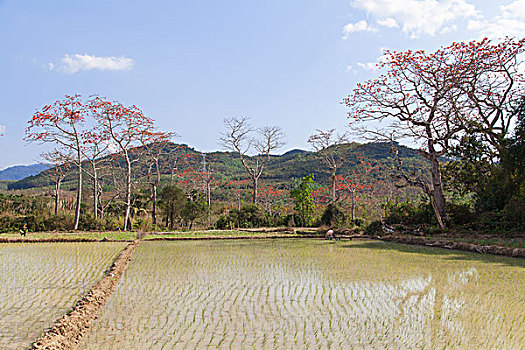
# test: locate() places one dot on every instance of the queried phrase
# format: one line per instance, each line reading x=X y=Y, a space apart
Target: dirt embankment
x=469 y=247
x=69 y=329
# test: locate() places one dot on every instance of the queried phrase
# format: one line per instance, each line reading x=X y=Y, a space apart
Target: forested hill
x=19 y=172
x=280 y=170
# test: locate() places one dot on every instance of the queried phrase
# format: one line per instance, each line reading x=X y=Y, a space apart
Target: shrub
x=408 y=213
x=333 y=216
x=375 y=228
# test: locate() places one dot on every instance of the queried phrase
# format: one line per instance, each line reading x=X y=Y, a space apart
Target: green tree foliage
x=496 y=180
x=193 y=209
x=172 y=201
x=304 y=203
x=333 y=216
x=248 y=216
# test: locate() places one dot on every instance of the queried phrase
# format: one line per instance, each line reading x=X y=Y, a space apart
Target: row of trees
x=88 y=130
x=459 y=104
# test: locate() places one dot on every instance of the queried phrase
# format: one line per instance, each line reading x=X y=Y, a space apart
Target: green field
x=312 y=294
x=39 y=282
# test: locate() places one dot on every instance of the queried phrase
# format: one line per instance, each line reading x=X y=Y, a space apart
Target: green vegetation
x=304 y=204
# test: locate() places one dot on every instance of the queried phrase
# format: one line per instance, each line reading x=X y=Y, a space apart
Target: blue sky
x=190 y=64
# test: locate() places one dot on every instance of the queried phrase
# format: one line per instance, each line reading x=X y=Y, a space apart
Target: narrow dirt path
x=69 y=329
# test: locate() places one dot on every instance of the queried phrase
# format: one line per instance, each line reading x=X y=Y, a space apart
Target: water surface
x=312 y=294
x=40 y=282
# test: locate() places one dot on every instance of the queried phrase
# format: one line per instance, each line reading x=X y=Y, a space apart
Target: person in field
x=23 y=231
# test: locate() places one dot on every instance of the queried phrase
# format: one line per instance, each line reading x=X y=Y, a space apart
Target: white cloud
x=70 y=64
x=388 y=22
x=368 y=65
x=511 y=22
x=449 y=29
x=373 y=66
x=417 y=17
x=361 y=26
x=2 y=130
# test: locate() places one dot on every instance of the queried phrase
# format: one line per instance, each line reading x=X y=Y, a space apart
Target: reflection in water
x=310 y=294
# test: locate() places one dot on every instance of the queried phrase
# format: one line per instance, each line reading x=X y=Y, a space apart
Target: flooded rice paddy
x=39 y=282
x=301 y=294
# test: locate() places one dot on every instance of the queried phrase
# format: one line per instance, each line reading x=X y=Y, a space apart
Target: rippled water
x=312 y=294
x=39 y=282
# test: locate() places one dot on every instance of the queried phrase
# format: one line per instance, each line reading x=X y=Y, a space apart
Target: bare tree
x=238 y=139
x=328 y=145
x=154 y=143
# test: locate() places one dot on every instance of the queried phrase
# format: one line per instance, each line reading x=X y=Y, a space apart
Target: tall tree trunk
x=208 y=194
x=79 y=193
x=154 y=204
x=353 y=205
x=435 y=193
x=128 y=195
x=255 y=188
x=332 y=178
x=57 y=195
x=95 y=193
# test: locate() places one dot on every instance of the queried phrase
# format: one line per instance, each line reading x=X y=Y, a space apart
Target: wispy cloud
x=388 y=22
x=71 y=64
x=361 y=26
x=417 y=17
x=511 y=22
x=2 y=130
x=373 y=66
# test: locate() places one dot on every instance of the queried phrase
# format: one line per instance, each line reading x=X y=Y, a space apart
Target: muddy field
x=39 y=282
x=312 y=294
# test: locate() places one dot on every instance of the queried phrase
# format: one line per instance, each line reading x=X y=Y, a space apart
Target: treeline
x=464 y=104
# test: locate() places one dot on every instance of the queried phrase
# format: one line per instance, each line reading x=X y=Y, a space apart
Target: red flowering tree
x=61 y=124
x=431 y=98
x=95 y=145
x=127 y=128
x=356 y=181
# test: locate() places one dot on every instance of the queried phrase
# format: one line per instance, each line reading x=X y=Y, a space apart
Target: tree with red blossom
x=356 y=180
x=432 y=98
x=127 y=129
x=95 y=146
x=61 y=123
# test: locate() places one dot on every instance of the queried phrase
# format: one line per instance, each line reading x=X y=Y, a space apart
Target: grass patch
x=217 y=234
x=112 y=235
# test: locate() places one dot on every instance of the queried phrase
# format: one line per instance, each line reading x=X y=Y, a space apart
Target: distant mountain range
x=19 y=172
x=280 y=170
